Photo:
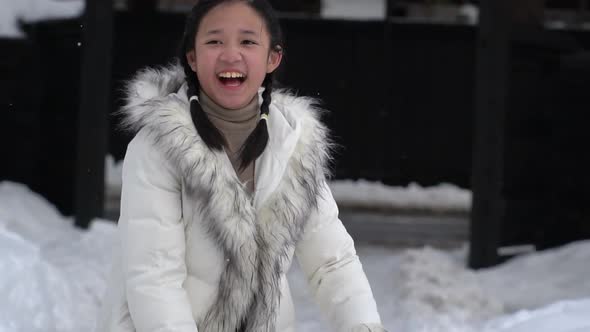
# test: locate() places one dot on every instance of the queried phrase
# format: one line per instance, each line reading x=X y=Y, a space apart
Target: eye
x=249 y=42
x=213 y=42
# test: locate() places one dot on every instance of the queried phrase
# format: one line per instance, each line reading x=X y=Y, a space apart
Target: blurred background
x=462 y=127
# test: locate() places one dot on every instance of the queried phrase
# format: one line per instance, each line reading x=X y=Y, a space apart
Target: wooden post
x=93 y=113
x=499 y=20
x=488 y=149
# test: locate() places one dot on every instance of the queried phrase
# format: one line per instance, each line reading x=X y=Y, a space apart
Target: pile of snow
x=434 y=285
x=14 y=11
x=564 y=316
x=561 y=273
x=441 y=198
x=53 y=277
x=542 y=292
x=353 y=9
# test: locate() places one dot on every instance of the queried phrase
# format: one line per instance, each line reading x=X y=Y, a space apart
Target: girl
x=224 y=182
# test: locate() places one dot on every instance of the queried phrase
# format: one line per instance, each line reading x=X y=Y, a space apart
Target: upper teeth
x=231 y=75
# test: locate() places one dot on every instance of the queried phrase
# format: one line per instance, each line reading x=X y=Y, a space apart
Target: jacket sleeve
x=153 y=242
x=328 y=258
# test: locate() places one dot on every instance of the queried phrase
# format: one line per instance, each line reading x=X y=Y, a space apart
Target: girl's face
x=232 y=54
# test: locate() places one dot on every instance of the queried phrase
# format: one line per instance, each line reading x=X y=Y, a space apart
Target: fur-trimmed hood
x=256 y=235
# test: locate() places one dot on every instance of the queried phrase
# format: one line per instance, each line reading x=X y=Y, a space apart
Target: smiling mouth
x=231 y=79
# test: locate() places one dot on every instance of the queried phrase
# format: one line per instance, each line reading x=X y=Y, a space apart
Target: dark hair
x=213 y=138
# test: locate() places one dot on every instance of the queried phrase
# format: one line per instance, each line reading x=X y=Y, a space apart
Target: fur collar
x=256 y=238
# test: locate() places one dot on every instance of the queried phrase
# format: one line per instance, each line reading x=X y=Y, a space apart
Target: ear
x=274 y=59
x=191 y=58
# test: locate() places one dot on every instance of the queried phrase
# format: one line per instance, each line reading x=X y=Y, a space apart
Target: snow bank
x=362 y=193
x=53 y=275
x=14 y=11
x=535 y=280
x=437 y=293
x=565 y=316
x=354 y=9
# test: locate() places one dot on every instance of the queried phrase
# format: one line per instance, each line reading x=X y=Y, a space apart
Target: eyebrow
x=242 y=31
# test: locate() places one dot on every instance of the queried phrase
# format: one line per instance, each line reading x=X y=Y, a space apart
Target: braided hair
x=211 y=136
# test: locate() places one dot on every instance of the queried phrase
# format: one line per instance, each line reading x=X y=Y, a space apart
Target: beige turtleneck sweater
x=236 y=126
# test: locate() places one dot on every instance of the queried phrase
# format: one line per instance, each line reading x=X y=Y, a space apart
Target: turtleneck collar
x=231 y=120
x=235 y=125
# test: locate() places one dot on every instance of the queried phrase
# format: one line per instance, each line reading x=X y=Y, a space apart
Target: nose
x=231 y=54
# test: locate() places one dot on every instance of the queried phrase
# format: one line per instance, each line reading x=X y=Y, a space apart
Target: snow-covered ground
x=52 y=277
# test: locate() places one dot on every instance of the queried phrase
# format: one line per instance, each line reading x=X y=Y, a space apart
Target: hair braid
x=258 y=139
x=266 y=95
x=212 y=137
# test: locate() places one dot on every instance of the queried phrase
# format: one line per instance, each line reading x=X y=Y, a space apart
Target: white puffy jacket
x=198 y=253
